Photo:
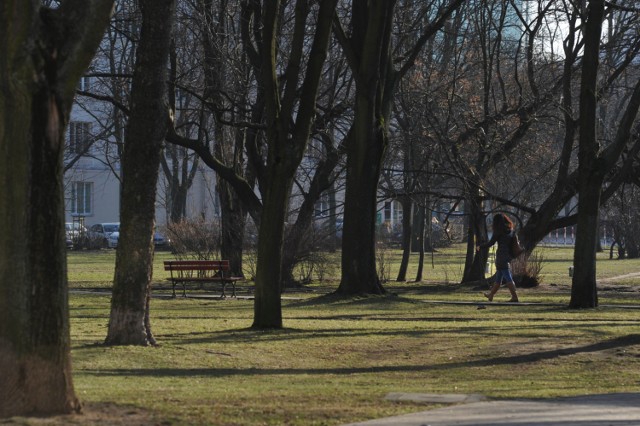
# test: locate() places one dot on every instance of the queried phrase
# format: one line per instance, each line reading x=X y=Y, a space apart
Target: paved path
x=619 y=278
x=622 y=409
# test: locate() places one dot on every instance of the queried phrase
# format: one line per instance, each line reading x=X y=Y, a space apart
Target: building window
x=85 y=84
x=387 y=211
x=397 y=212
x=81 y=194
x=322 y=206
x=79 y=137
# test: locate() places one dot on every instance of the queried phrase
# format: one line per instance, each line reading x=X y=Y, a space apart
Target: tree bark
x=368 y=51
x=129 y=322
x=44 y=53
x=364 y=160
x=268 y=306
x=417 y=237
x=407 y=232
x=583 y=288
x=477 y=230
x=233 y=218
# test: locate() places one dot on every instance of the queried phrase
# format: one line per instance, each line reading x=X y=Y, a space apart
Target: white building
x=92 y=184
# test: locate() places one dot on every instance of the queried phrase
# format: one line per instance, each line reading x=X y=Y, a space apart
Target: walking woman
x=502 y=234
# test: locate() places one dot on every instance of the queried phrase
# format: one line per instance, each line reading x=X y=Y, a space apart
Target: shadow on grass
x=393 y=295
x=470 y=322
x=619 y=342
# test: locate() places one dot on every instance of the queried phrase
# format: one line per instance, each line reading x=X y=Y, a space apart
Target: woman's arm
x=488 y=244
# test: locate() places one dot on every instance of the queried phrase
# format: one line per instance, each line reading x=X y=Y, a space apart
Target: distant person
x=502 y=234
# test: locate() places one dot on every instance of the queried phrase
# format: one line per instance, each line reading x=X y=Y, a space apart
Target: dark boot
x=512 y=289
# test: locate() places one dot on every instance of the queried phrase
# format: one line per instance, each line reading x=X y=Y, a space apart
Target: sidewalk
x=621 y=409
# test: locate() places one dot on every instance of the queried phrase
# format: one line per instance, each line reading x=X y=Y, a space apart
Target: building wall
x=104 y=202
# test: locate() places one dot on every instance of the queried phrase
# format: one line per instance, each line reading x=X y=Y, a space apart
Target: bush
x=312 y=256
x=195 y=238
x=527 y=268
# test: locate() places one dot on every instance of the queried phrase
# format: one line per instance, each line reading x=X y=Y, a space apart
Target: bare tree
x=583 y=289
x=618 y=86
x=129 y=321
x=289 y=115
x=368 y=48
x=45 y=52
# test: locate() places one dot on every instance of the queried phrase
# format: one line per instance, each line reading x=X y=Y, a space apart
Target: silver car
x=74 y=231
x=159 y=240
x=100 y=232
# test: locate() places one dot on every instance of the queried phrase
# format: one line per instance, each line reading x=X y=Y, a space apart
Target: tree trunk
x=417 y=232
x=268 y=306
x=369 y=54
x=364 y=158
x=178 y=193
x=475 y=261
x=228 y=145
x=366 y=143
x=335 y=240
x=129 y=322
x=583 y=289
x=420 y=245
x=289 y=118
x=407 y=232
x=232 y=212
x=37 y=93
x=178 y=166
x=34 y=318
x=233 y=217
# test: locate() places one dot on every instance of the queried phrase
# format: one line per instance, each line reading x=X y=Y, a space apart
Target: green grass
x=336 y=359
x=95 y=269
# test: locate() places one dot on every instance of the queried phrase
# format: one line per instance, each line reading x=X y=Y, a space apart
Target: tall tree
x=369 y=54
x=289 y=115
x=44 y=53
x=129 y=322
x=615 y=89
x=591 y=174
x=216 y=34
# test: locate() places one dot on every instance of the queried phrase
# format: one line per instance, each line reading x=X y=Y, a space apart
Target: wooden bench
x=200 y=271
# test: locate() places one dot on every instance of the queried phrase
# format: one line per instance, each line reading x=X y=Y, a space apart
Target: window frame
x=86 y=198
x=79 y=140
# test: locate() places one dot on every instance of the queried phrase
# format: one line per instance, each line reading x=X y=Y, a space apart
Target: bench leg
x=173 y=288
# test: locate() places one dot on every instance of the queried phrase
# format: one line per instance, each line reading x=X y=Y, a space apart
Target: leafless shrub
x=250 y=262
x=311 y=258
x=195 y=239
x=527 y=269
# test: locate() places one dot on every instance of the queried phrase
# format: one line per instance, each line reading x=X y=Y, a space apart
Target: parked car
x=68 y=242
x=159 y=240
x=74 y=232
x=112 y=241
x=74 y=229
x=100 y=232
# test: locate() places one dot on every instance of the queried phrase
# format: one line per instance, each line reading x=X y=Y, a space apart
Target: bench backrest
x=196 y=265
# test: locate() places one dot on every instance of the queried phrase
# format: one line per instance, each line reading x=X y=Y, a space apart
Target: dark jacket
x=503 y=255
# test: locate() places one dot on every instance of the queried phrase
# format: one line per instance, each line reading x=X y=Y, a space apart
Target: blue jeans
x=504 y=274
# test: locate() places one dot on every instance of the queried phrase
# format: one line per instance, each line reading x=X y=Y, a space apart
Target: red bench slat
x=186 y=268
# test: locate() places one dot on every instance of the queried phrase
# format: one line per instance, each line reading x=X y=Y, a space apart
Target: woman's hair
x=502 y=224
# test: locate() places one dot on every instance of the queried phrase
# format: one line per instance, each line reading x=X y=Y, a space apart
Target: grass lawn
x=336 y=359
